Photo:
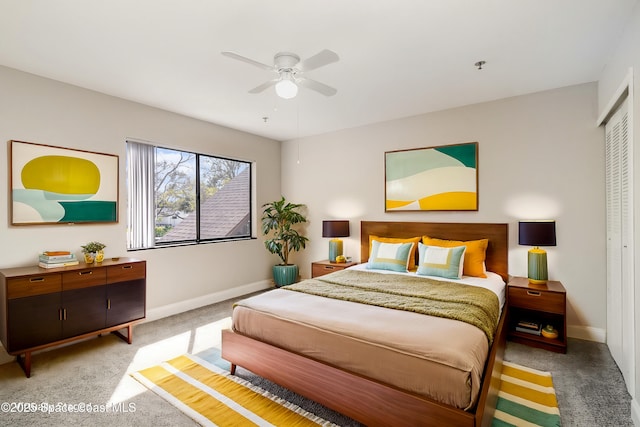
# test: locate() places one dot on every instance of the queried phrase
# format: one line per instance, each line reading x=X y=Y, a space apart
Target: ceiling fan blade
x=318 y=60
x=317 y=86
x=263 y=86
x=248 y=60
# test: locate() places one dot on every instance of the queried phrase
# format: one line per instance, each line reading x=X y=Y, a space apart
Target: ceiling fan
x=290 y=72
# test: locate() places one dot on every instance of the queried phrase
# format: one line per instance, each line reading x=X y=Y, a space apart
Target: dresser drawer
x=84 y=278
x=33 y=285
x=126 y=272
x=534 y=299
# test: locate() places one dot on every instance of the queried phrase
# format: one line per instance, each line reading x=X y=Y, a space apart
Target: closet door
x=620 y=273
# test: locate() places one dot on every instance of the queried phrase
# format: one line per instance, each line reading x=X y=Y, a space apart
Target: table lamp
x=335 y=229
x=536 y=234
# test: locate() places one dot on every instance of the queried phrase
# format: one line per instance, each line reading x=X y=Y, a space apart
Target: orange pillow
x=474 y=256
x=412 y=256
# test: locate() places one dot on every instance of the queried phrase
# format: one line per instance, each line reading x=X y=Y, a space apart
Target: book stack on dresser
x=56 y=259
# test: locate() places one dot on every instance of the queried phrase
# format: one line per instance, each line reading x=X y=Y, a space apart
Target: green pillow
x=389 y=256
x=441 y=262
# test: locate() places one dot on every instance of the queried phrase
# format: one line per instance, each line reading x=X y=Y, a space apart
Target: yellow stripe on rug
x=213 y=397
x=526 y=398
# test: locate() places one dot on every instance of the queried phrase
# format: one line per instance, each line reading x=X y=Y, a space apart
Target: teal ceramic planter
x=284 y=274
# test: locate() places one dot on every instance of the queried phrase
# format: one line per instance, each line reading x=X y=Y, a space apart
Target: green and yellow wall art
x=55 y=185
x=443 y=178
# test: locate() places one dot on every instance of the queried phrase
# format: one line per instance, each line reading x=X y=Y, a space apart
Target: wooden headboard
x=498 y=234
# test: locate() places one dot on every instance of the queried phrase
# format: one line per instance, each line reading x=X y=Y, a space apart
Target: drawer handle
x=126 y=267
x=36 y=279
x=329 y=267
x=534 y=293
x=82 y=273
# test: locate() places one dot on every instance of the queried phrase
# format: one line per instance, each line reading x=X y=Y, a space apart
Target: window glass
x=224 y=198
x=175 y=196
x=196 y=198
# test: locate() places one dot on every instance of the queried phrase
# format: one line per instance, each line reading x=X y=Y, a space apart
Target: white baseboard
x=182 y=306
x=587 y=333
x=4 y=356
x=582 y=332
x=635 y=412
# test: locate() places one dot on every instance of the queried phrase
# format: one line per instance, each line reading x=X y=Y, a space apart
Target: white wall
x=624 y=57
x=540 y=156
x=44 y=111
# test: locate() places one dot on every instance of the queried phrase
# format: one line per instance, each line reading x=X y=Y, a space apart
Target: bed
x=324 y=357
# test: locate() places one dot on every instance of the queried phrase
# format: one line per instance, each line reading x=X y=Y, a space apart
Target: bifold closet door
x=620 y=242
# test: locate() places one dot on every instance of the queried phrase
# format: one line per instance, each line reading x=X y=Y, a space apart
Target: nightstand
x=320 y=268
x=542 y=304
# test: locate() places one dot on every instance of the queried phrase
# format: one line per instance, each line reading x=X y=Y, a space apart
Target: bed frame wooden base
x=367 y=401
x=363 y=399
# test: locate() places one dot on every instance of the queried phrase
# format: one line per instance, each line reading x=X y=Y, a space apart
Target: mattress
x=439 y=358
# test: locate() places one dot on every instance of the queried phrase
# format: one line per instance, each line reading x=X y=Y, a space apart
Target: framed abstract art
x=443 y=178
x=55 y=185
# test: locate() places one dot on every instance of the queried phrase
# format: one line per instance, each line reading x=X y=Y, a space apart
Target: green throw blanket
x=471 y=304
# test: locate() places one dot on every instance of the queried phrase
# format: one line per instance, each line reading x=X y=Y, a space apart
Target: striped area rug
x=213 y=397
x=526 y=398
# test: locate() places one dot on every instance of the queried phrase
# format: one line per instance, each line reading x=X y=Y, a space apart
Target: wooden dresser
x=41 y=308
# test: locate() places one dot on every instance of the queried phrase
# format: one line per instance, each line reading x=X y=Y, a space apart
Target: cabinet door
x=33 y=321
x=84 y=310
x=125 y=301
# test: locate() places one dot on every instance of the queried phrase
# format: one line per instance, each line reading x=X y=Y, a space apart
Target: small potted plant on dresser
x=93 y=252
x=278 y=219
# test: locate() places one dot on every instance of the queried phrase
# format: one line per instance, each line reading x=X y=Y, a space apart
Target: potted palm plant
x=278 y=220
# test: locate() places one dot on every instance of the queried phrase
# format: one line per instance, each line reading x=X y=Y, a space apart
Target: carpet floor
x=66 y=381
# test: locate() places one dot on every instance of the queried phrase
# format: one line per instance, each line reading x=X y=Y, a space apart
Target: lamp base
x=537 y=272
x=335 y=249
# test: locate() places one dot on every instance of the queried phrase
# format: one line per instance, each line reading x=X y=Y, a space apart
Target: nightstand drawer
x=322 y=269
x=534 y=299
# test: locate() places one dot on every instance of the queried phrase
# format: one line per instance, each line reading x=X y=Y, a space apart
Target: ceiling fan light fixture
x=290 y=72
x=286 y=88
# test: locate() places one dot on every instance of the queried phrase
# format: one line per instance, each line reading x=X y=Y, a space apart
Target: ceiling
x=397 y=58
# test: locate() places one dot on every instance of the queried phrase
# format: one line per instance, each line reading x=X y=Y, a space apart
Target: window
x=180 y=197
